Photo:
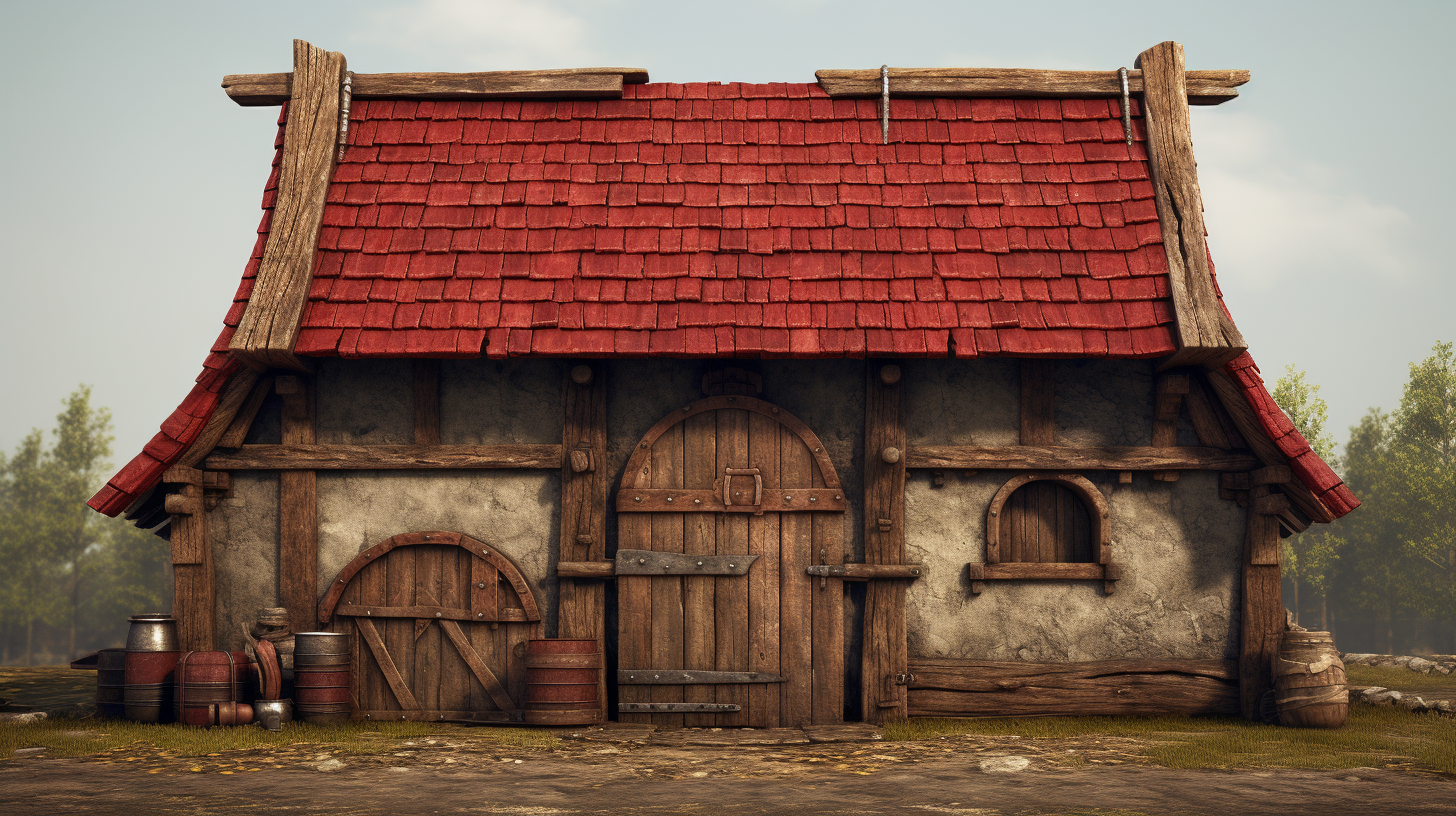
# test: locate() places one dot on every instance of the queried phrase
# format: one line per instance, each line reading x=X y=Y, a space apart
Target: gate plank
x=828 y=637
x=455 y=669
x=399 y=633
x=427 y=675
x=796 y=610
x=763 y=587
x=699 y=457
x=370 y=582
x=482 y=599
x=477 y=666
x=667 y=590
x=730 y=595
x=634 y=600
x=401 y=690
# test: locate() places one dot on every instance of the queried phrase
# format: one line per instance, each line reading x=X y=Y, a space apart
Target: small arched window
x=1046 y=526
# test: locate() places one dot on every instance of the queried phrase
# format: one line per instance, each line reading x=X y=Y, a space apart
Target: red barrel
x=111 y=683
x=562 y=680
x=321 y=669
x=148 y=693
x=207 y=680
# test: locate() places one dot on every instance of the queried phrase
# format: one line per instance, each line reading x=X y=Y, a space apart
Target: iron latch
x=729 y=493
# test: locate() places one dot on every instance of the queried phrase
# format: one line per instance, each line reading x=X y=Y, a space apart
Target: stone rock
x=21 y=717
x=1384 y=697
x=1005 y=764
x=1358 y=659
x=28 y=752
x=1444 y=668
x=1420 y=664
x=1445 y=707
x=328 y=765
x=1411 y=702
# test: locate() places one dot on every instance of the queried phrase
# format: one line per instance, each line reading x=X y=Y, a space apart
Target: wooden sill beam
x=257 y=90
x=1067 y=457
x=387 y=457
x=1204 y=87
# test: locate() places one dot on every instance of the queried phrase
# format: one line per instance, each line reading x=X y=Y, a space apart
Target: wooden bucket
x=321 y=669
x=148 y=693
x=205 y=681
x=1309 y=682
x=562 y=679
x=111 y=682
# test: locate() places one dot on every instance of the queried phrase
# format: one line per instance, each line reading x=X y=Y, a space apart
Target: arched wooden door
x=722 y=506
x=436 y=619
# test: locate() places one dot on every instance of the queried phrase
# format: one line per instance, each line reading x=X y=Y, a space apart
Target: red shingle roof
x=732 y=220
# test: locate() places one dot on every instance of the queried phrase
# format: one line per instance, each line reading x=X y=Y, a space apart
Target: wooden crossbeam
x=256 y=90
x=386 y=664
x=1204 y=87
x=1067 y=457
x=387 y=457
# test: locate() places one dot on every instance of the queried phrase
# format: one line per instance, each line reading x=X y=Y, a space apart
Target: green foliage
x=1308 y=558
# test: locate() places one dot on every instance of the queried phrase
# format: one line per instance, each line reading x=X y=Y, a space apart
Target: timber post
x=298 y=510
x=192 y=575
x=886 y=659
x=1262 y=614
x=582 y=604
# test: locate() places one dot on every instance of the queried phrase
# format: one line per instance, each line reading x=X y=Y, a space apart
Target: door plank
x=667 y=590
x=796 y=610
x=477 y=666
x=699 y=458
x=763 y=587
x=402 y=695
x=482 y=599
x=426 y=677
x=398 y=633
x=634 y=601
x=828 y=633
x=730 y=594
x=455 y=669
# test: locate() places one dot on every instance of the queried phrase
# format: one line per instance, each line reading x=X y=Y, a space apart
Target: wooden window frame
x=994 y=569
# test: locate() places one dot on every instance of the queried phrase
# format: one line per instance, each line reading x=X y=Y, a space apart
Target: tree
x=27 y=532
x=80 y=459
x=1310 y=556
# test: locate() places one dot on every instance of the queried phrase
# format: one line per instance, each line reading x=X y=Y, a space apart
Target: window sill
x=978 y=573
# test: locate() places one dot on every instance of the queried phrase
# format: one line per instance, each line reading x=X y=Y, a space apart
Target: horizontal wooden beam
x=387 y=457
x=867 y=572
x=1067 y=457
x=1204 y=87
x=586 y=569
x=255 y=90
x=428 y=613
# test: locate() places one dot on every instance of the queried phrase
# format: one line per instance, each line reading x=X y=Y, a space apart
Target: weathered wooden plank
x=861 y=572
x=369 y=680
x=269 y=325
x=1203 y=330
x=1204 y=417
x=298 y=510
x=1262 y=614
x=828 y=631
x=398 y=633
x=585 y=570
x=667 y=591
x=455 y=669
x=700 y=450
x=192 y=573
x=1167 y=406
x=658 y=677
x=1204 y=87
x=1016 y=571
x=732 y=621
x=242 y=420
x=482 y=672
x=1067 y=457
x=1038 y=402
x=483 y=598
x=426 y=376
x=428 y=639
x=301 y=456
x=385 y=661
x=884 y=509
x=649 y=562
x=765 y=707
x=710 y=500
x=440 y=612
x=1118 y=695
x=796 y=599
x=990 y=675
x=251 y=90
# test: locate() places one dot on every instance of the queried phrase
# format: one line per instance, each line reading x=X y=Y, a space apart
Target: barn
x=904 y=392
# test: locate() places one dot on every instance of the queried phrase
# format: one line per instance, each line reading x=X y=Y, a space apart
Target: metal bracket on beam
x=647 y=562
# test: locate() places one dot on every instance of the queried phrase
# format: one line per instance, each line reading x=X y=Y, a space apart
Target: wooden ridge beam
x=269 y=327
x=257 y=90
x=1067 y=457
x=1204 y=87
x=1204 y=332
x=387 y=457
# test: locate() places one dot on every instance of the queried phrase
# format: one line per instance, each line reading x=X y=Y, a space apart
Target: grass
x=1405 y=681
x=47 y=687
x=1372 y=738
x=91 y=737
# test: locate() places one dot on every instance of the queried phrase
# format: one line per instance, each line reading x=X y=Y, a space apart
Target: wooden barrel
x=111 y=682
x=562 y=680
x=1309 y=682
x=147 y=696
x=321 y=669
x=205 y=680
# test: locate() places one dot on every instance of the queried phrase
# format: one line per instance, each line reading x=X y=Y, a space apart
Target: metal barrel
x=204 y=680
x=562 y=681
x=147 y=696
x=152 y=632
x=322 y=663
x=1309 y=682
x=111 y=683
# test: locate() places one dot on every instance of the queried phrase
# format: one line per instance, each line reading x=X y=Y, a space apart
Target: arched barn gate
x=722 y=506
x=436 y=619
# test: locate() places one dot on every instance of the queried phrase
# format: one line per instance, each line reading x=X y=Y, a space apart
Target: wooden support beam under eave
x=256 y=90
x=1204 y=87
x=269 y=327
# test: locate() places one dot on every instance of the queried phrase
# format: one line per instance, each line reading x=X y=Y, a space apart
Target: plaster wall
x=244 y=532
x=1178 y=544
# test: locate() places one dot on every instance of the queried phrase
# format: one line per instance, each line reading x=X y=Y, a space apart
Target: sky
x=132 y=183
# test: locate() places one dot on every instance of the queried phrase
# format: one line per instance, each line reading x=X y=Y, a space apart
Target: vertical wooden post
x=427 y=402
x=1038 y=402
x=885 y=649
x=1167 y=405
x=192 y=578
x=582 y=606
x=1262 y=614
x=298 y=510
